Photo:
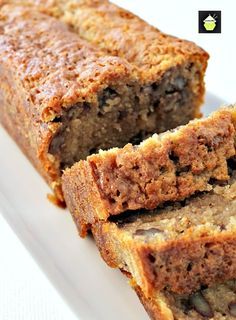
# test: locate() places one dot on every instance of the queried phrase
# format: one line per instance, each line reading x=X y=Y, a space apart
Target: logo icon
x=209 y=21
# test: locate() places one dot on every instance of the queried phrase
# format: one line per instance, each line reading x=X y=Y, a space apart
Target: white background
x=25 y=293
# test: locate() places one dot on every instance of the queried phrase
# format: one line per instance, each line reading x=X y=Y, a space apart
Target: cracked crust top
x=55 y=66
x=124 y=34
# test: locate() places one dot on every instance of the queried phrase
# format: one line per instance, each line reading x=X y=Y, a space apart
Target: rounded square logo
x=209 y=21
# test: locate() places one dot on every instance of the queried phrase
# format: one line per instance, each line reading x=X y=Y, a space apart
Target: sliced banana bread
x=217 y=302
x=165 y=167
x=180 y=247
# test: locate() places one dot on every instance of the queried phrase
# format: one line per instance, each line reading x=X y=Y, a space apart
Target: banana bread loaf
x=62 y=99
x=180 y=247
x=165 y=167
x=217 y=302
x=170 y=70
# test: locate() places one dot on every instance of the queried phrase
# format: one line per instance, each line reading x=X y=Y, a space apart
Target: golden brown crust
x=106 y=245
x=89 y=195
x=156 y=309
x=45 y=69
x=168 y=167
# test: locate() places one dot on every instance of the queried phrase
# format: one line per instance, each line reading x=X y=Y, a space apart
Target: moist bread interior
x=125 y=113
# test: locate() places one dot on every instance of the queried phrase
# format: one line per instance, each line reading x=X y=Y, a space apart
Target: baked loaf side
x=180 y=247
x=170 y=70
x=216 y=302
x=166 y=167
x=61 y=98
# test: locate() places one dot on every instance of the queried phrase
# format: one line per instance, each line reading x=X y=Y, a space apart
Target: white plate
x=73 y=265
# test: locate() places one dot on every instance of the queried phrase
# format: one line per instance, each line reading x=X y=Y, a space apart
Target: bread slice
x=217 y=302
x=170 y=70
x=165 y=167
x=180 y=247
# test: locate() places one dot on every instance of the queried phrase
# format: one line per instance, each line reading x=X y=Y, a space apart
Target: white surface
x=25 y=293
x=72 y=264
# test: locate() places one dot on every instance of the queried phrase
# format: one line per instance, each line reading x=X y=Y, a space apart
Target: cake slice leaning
x=181 y=247
x=165 y=167
x=216 y=302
